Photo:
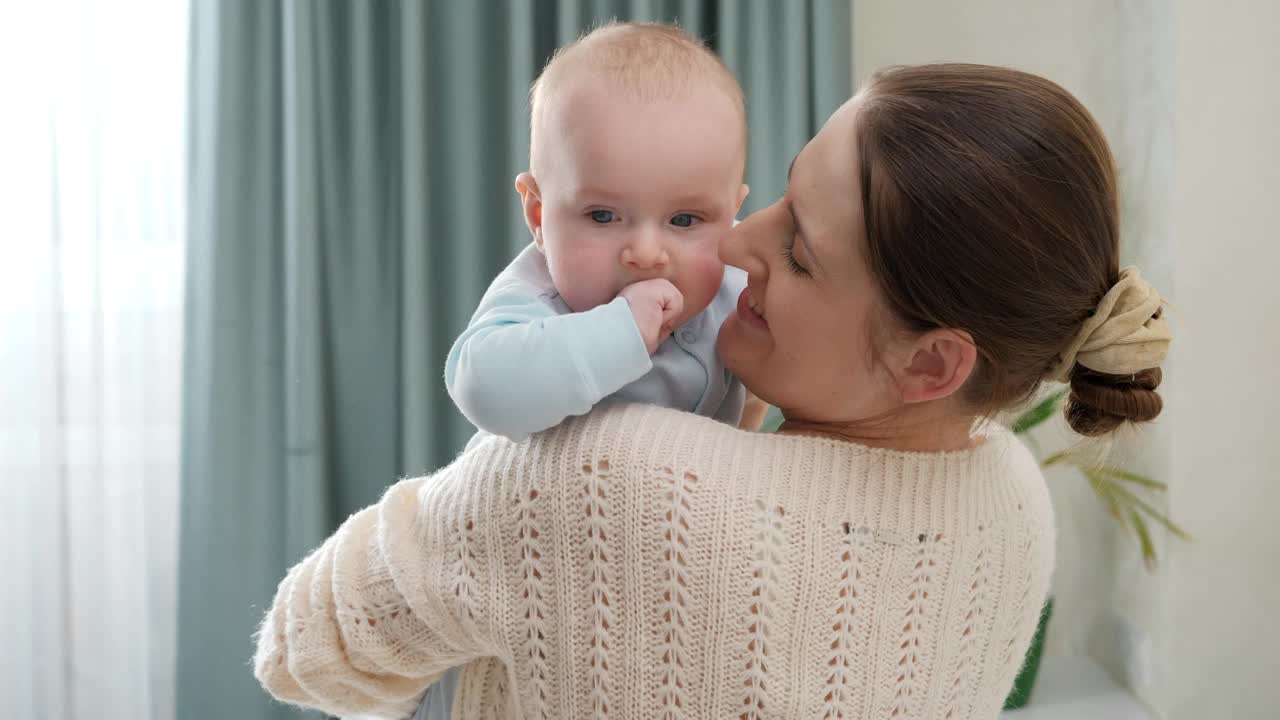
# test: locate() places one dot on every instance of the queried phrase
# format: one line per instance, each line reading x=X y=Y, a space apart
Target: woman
x=947 y=242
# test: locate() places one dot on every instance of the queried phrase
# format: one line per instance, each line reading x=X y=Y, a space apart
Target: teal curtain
x=351 y=166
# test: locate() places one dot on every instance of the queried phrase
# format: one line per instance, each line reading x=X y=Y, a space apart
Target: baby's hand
x=654 y=304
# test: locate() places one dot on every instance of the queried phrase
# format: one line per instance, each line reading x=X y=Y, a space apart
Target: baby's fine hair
x=650 y=61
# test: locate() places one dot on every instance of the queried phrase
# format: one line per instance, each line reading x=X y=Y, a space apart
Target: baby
x=636 y=160
x=636 y=157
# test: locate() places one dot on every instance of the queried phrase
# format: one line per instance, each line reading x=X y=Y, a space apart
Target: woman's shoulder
x=612 y=422
x=638 y=434
x=997 y=481
x=1018 y=474
x=613 y=431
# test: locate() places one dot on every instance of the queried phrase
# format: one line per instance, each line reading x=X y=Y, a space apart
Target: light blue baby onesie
x=526 y=362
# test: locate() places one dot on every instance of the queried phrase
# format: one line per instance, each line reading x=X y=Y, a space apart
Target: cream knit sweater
x=641 y=562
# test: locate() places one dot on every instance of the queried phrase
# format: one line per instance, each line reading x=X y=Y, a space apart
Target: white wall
x=1189 y=95
x=1225 y=588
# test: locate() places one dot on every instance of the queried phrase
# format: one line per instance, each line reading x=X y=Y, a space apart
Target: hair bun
x=1099 y=403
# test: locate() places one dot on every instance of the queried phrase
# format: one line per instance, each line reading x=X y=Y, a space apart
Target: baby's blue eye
x=684 y=220
x=604 y=217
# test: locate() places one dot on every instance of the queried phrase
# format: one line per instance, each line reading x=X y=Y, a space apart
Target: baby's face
x=632 y=191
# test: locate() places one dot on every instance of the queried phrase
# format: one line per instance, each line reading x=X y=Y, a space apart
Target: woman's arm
x=369 y=620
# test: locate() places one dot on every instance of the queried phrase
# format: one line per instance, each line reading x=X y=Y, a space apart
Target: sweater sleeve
x=371 y=618
x=520 y=368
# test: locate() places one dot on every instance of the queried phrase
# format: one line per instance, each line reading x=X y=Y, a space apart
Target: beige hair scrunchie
x=1124 y=335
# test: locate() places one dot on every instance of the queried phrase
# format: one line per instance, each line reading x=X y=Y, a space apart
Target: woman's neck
x=914 y=432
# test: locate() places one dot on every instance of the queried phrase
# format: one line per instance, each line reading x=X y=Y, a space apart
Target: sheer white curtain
x=92 y=195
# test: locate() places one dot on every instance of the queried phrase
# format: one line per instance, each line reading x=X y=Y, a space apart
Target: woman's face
x=806 y=346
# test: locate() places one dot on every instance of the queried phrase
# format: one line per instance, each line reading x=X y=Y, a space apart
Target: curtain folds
x=350 y=199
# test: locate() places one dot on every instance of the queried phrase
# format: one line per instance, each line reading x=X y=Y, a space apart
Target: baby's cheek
x=583 y=279
x=706 y=274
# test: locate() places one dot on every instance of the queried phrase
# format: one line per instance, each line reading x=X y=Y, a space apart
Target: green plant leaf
x=1107 y=470
x=1110 y=484
x=1059 y=457
x=1038 y=414
x=1102 y=487
x=1144 y=539
x=1121 y=506
x=1133 y=478
x=1128 y=498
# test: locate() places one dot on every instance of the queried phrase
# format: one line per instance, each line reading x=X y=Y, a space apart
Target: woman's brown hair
x=991 y=206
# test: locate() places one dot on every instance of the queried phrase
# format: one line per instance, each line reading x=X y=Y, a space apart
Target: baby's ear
x=742 y=196
x=531 y=202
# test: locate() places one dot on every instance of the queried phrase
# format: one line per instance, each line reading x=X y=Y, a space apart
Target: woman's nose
x=737 y=246
x=645 y=251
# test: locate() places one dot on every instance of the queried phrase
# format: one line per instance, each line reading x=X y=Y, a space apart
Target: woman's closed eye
x=788 y=255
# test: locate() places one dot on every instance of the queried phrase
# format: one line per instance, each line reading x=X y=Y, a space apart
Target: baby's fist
x=655 y=305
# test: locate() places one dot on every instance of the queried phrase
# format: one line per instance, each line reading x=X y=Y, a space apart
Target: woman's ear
x=531 y=203
x=938 y=364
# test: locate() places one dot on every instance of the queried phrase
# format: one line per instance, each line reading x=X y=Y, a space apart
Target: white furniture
x=1072 y=688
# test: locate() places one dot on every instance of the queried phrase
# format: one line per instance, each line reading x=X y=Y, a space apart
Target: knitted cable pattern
x=640 y=562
